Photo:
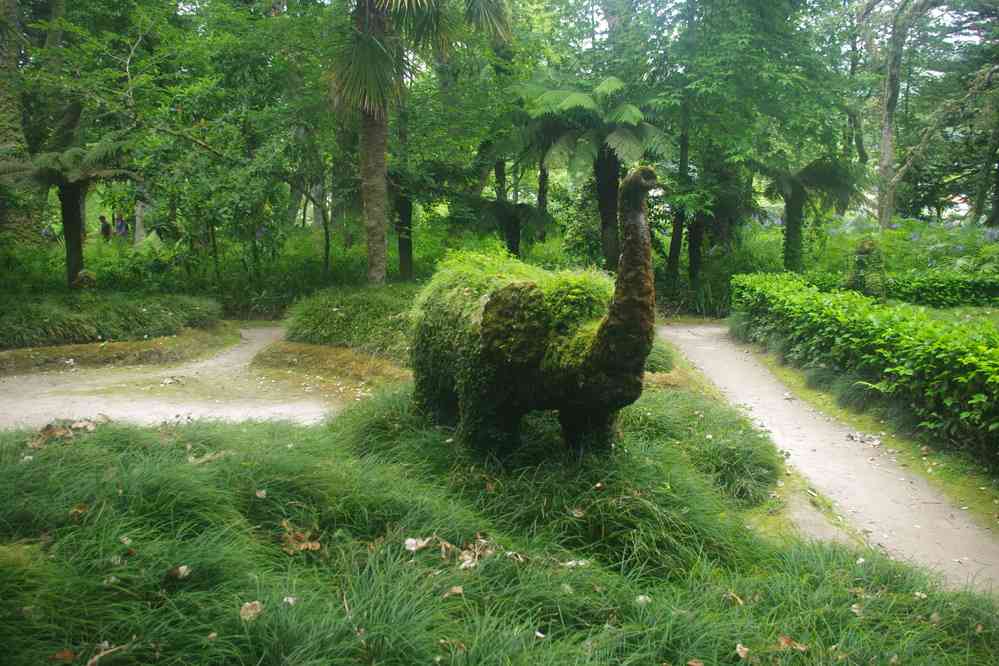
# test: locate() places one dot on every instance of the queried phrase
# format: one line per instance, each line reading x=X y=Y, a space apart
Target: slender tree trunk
x=499 y=169
x=327 y=242
x=374 y=191
x=607 y=173
x=903 y=20
x=72 y=198
x=404 y=232
x=993 y=219
x=295 y=199
x=794 y=215
x=985 y=176
x=695 y=239
x=542 y=187
x=680 y=215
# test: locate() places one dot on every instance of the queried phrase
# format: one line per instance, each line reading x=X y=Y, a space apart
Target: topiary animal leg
x=436 y=397
x=488 y=426
x=587 y=428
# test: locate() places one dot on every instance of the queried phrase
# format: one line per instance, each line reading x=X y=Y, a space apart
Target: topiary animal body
x=495 y=339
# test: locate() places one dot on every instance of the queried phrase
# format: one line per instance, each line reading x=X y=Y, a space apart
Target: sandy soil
x=222 y=387
x=897 y=511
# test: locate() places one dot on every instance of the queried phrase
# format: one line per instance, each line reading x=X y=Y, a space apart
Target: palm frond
x=625 y=144
x=585 y=153
x=608 y=87
x=367 y=70
x=656 y=141
x=626 y=114
x=490 y=16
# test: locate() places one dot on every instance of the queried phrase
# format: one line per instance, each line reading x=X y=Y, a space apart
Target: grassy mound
x=187 y=344
x=370 y=319
x=98 y=317
x=375 y=540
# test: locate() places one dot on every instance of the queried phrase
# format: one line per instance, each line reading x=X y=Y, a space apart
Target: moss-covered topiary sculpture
x=495 y=338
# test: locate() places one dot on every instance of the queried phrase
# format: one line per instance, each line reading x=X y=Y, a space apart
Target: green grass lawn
x=377 y=539
x=967 y=313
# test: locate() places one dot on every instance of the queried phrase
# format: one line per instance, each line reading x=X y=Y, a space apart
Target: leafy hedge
x=374 y=320
x=938 y=289
x=947 y=373
x=944 y=289
x=99 y=316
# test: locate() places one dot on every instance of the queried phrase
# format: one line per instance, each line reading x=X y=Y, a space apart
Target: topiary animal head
x=634 y=189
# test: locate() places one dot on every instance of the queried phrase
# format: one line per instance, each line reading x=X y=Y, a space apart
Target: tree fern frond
x=625 y=144
x=608 y=87
x=585 y=153
x=626 y=114
x=561 y=151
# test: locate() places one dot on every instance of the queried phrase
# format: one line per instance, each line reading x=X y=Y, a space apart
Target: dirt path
x=222 y=387
x=896 y=510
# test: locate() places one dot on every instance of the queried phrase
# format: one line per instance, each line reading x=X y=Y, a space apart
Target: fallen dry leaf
x=208 y=457
x=290 y=601
x=262 y=494
x=786 y=642
x=64 y=656
x=695 y=662
x=250 y=610
x=578 y=513
x=78 y=511
x=212 y=636
x=455 y=591
x=742 y=651
x=735 y=598
x=643 y=600
x=179 y=572
x=857 y=610
x=935 y=618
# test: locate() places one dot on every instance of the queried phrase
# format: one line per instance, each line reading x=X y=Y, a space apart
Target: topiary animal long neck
x=625 y=336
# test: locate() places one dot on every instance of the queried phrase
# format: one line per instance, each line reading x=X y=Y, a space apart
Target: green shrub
x=947 y=373
x=94 y=316
x=374 y=320
x=660 y=358
x=944 y=289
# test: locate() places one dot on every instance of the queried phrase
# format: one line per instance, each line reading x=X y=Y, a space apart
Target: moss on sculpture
x=496 y=338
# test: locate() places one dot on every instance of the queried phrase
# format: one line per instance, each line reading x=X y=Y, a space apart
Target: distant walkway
x=221 y=387
x=897 y=510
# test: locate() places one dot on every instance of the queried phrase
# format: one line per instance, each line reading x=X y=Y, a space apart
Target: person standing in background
x=105 y=228
x=120 y=226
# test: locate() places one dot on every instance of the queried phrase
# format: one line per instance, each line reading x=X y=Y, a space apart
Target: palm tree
x=71 y=172
x=372 y=52
x=597 y=130
x=826 y=176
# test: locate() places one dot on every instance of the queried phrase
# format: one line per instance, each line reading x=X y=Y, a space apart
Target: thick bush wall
x=938 y=289
x=98 y=317
x=947 y=373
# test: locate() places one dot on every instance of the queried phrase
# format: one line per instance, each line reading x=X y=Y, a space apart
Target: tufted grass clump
x=90 y=316
x=374 y=540
x=374 y=320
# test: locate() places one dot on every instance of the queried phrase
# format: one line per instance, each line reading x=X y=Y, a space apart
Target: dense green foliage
x=374 y=320
x=99 y=317
x=946 y=372
x=935 y=288
x=156 y=540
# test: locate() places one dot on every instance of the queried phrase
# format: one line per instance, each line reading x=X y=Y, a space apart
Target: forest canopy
x=271 y=147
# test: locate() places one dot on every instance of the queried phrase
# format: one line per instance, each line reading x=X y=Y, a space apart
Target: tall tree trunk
x=607 y=173
x=499 y=169
x=374 y=191
x=542 y=187
x=542 y=200
x=985 y=176
x=680 y=215
x=295 y=199
x=794 y=215
x=72 y=198
x=404 y=232
x=695 y=240
x=993 y=219
x=903 y=20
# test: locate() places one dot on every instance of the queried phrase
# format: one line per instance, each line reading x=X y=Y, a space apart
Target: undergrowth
x=377 y=540
x=90 y=316
x=373 y=320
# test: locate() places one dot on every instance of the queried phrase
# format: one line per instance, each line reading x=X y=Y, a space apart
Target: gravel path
x=897 y=511
x=222 y=387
